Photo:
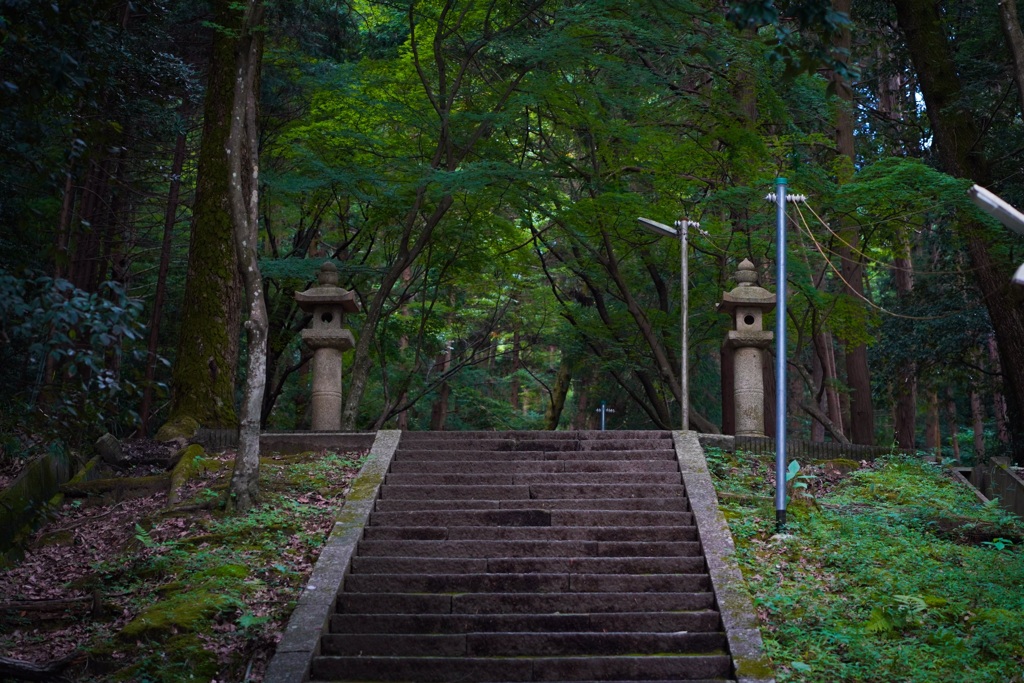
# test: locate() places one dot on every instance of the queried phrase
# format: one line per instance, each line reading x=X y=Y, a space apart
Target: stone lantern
x=328 y=303
x=746 y=343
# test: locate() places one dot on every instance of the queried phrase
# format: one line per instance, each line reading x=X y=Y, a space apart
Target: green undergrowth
x=892 y=572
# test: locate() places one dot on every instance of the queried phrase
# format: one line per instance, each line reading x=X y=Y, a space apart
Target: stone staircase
x=528 y=556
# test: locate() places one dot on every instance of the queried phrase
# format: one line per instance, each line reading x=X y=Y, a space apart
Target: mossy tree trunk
x=203 y=374
x=243 y=182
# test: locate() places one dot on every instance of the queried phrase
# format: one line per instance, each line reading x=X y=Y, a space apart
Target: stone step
x=646 y=534
x=527 y=583
x=676 y=503
x=531 y=466
x=411 y=454
x=603 y=491
x=507 y=556
x=665 y=622
x=447 y=493
x=521 y=437
x=507 y=518
x=520 y=644
x=529 y=492
x=520 y=603
x=680 y=667
x=514 y=479
x=498 y=549
x=537 y=444
x=526 y=565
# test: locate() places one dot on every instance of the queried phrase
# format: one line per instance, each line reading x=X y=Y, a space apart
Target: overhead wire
x=803 y=225
x=864 y=255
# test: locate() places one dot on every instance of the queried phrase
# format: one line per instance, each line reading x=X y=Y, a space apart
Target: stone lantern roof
x=327 y=292
x=747 y=294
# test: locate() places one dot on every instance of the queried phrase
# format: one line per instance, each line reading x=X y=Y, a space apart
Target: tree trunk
x=818 y=377
x=953 y=428
x=243 y=165
x=514 y=388
x=84 y=244
x=439 y=411
x=978 y=423
x=957 y=138
x=203 y=374
x=403 y=417
x=826 y=354
x=998 y=397
x=794 y=397
x=558 y=393
x=581 y=420
x=932 y=430
x=170 y=214
x=905 y=391
x=728 y=362
x=62 y=258
x=861 y=428
x=1015 y=40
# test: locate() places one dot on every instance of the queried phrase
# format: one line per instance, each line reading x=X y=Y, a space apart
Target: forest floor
x=891 y=571
x=139 y=590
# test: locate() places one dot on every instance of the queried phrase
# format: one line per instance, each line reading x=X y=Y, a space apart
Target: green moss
x=120 y=487
x=183 y=612
x=225 y=571
x=363 y=490
x=180 y=658
x=752 y=669
x=190 y=464
x=21 y=502
x=91 y=471
x=842 y=465
x=213 y=538
x=181 y=426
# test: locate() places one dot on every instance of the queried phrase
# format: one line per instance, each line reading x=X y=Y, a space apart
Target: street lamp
x=680 y=231
x=993 y=205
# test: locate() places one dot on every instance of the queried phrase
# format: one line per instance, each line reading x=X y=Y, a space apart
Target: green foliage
x=797 y=483
x=804 y=31
x=998 y=543
x=69 y=356
x=869 y=589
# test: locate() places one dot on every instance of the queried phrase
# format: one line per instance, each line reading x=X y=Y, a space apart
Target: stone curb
x=301 y=639
x=734 y=603
x=298 y=442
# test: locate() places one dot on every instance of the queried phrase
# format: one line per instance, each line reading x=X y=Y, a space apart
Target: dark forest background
x=475 y=171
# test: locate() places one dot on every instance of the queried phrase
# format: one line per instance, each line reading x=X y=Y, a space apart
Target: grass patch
x=893 y=572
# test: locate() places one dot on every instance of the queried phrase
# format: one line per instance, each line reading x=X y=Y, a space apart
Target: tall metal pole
x=684 y=288
x=780 y=357
x=680 y=231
